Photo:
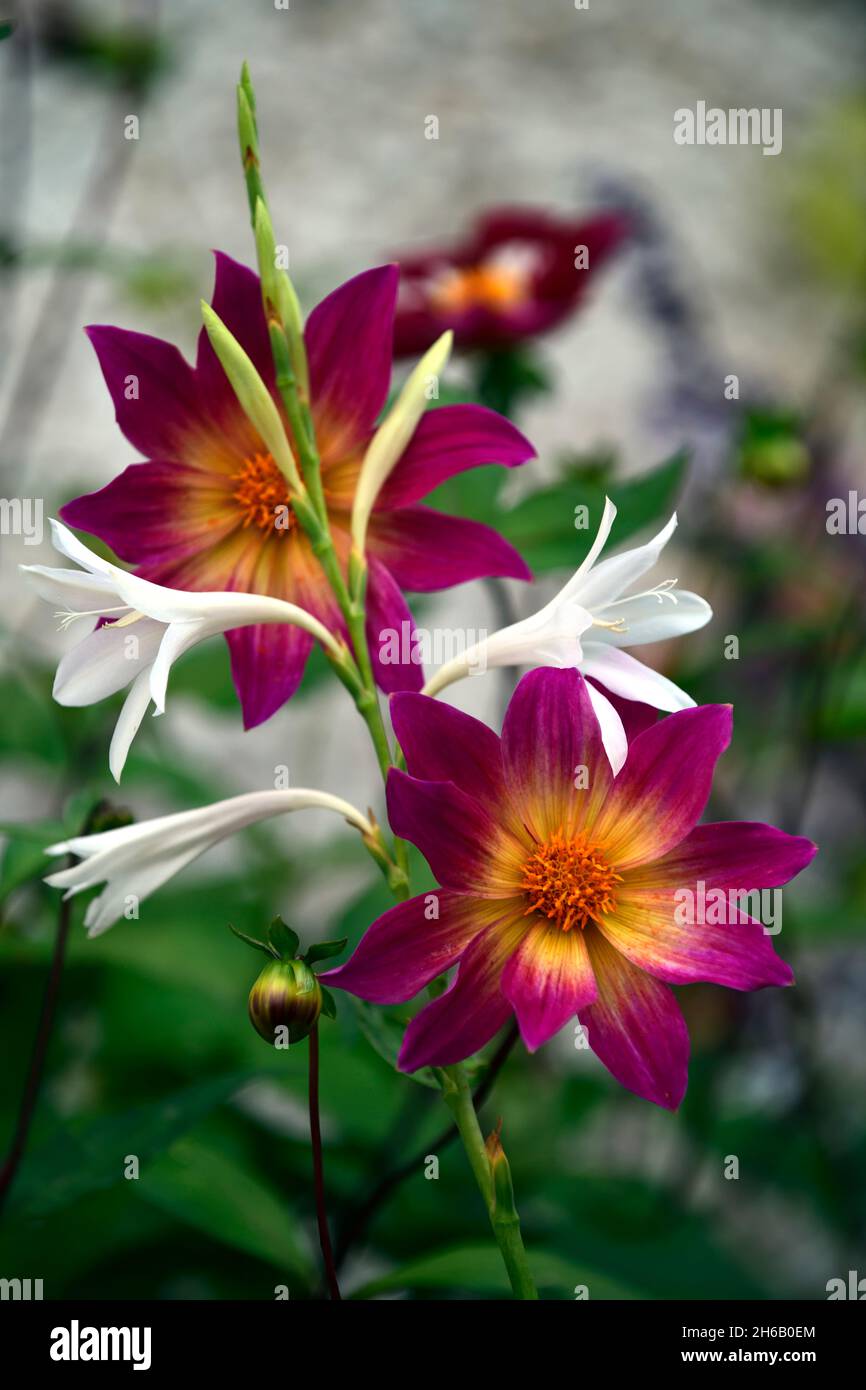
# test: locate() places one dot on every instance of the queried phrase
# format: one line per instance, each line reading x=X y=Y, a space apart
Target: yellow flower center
x=569 y=881
x=262 y=494
x=479 y=286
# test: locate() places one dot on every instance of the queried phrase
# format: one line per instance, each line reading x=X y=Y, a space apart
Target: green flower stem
x=503 y=1218
x=248 y=137
x=312 y=513
x=311 y=510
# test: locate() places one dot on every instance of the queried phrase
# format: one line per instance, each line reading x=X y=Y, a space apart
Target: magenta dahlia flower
x=521 y=272
x=199 y=514
x=563 y=889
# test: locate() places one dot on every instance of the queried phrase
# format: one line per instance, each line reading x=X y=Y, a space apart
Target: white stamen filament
x=661 y=592
x=68 y=616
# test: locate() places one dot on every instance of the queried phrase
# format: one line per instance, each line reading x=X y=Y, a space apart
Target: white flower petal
x=135 y=860
x=630 y=678
x=70 y=589
x=106 y=661
x=606 y=581
x=129 y=722
x=653 y=617
x=555 y=631
x=572 y=588
x=223 y=611
x=613 y=734
x=149 y=875
x=177 y=639
x=69 y=545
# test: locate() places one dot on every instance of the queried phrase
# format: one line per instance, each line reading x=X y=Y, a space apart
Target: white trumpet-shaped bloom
x=587 y=624
x=147 y=628
x=134 y=860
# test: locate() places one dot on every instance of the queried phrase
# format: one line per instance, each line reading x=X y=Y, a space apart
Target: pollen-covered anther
x=263 y=495
x=568 y=880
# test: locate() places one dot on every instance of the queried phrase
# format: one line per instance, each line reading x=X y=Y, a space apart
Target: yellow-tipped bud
x=253 y=395
x=503 y=1190
x=391 y=438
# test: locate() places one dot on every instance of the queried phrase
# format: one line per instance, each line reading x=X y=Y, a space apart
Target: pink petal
x=462 y=843
x=156 y=398
x=675 y=918
x=449 y=440
x=736 y=952
x=427 y=550
x=394 y=652
x=407 y=947
x=441 y=744
x=237 y=300
x=349 y=341
x=462 y=1020
x=635 y=1027
x=550 y=739
x=156 y=512
x=729 y=854
x=267 y=665
x=660 y=793
x=548 y=979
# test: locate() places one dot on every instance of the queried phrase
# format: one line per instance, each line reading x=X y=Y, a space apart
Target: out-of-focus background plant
x=733 y=265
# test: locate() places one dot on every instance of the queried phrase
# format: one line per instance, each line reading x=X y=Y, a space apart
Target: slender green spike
x=248 y=138
x=247 y=85
x=279 y=297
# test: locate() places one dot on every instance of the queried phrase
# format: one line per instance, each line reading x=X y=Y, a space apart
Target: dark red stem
x=318 y=1169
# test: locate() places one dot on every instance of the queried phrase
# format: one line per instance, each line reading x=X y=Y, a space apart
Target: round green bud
x=286 y=995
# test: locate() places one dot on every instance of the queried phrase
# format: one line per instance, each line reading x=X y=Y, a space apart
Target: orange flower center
x=262 y=494
x=479 y=286
x=569 y=881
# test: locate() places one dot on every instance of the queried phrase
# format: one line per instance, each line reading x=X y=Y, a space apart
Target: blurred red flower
x=519 y=273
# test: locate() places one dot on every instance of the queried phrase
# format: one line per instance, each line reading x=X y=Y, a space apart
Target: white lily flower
x=134 y=860
x=152 y=627
x=585 y=626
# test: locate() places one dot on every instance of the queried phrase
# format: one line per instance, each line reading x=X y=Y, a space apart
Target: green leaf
x=24 y=856
x=284 y=941
x=543 y=526
x=329 y=1003
x=323 y=950
x=479 y=1269
x=215 y=1193
x=91 y=1156
x=384 y=1033
x=510 y=376
x=251 y=941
